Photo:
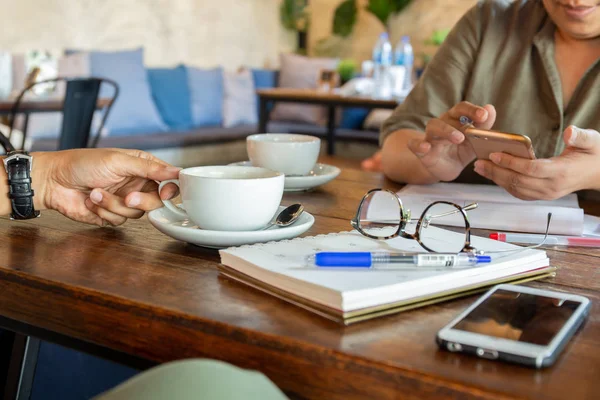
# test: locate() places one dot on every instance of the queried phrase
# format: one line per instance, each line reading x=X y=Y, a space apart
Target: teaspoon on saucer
x=287 y=216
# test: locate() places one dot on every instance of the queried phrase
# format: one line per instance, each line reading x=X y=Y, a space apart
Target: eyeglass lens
x=444 y=216
x=379 y=214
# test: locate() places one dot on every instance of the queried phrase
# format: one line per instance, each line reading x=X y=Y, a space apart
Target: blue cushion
x=353 y=118
x=134 y=111
x=206 y=93
x=172 y=95
x=264 y=79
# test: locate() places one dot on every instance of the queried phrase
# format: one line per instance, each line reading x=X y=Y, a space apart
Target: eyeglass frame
x=405 y=218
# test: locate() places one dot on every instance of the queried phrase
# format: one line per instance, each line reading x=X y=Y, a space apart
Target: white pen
x=551 y=240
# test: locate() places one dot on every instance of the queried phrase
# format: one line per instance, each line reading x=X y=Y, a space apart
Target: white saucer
x=183 y=229
x=320 y=175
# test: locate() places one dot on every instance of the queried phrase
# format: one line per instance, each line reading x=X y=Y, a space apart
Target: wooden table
x=307 y=96
x=36 y=106
x=133 y=294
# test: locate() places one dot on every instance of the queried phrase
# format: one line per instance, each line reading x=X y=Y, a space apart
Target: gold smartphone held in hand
x=485 y=142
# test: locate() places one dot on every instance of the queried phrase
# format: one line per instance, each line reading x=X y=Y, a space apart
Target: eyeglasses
x=382 y=216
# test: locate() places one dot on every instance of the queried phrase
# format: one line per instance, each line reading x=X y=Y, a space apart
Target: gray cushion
x=301 y=72
x=206 y=135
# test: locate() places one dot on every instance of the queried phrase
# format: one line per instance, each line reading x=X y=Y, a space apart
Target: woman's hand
x=100 y=186
x=443 y=151
x=548 y=179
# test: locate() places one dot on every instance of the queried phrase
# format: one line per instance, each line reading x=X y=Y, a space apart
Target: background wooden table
x=132 y=291
x=35 y=106
x=331 y=101
x=28 y=107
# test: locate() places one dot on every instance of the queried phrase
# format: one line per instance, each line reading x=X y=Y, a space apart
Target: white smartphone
x=516 y=324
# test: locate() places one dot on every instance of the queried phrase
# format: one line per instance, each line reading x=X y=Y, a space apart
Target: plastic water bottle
x=404 y=56
x=382 y=60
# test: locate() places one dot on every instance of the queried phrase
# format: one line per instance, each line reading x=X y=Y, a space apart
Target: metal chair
x=79 y=105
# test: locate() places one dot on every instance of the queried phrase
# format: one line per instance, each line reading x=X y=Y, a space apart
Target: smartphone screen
x=521 y=317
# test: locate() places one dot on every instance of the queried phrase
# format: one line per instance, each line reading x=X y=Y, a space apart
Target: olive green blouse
x=502 y=53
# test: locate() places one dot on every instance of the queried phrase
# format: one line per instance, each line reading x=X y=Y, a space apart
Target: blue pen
x=374 y=260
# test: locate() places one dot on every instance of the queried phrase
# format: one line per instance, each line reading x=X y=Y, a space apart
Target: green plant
x=294 y=15
x=346 y=69
x=344 y=18
x=345 y=14
x=437 y=37
x=383 y=9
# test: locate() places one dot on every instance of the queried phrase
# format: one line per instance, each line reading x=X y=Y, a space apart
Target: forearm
x=39 y=176
x=5 y=207
x=400 y=164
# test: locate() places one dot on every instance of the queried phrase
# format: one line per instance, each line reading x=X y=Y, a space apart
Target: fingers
x=585 y=139
x=141 y=154
x=438 y=129
x=482 y=117
x=542 y=168
x=107 y=217
x=114 y=204
x=521 y=186
x=419 y=147
x=115 y=210
x=171 y=190
x=144 y=201
x=476 y=113
x=144 y=168
x=515 y=183
x=491 y=119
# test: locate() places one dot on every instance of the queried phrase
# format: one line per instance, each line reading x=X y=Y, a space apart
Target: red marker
x=551 y=241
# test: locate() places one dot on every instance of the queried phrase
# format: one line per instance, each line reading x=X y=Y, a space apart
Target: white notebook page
x=497 y=210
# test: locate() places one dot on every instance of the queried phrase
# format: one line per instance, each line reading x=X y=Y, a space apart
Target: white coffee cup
x=292 y=154
x=228 y=198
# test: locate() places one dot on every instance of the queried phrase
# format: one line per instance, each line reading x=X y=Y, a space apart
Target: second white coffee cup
x=228 y=198
x=292 y=154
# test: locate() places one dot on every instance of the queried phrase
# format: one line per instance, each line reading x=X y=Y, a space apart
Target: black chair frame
x=79 y=105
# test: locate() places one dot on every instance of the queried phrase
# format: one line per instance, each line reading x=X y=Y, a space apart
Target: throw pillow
x=376 y=118
x=134 y=111
x=264 y=79
x=6 y=79
x=206 y=93
x=171 y=95
x=239 y=102
x=301 y=72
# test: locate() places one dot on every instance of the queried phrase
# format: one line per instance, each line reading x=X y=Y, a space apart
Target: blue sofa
x=181 y=107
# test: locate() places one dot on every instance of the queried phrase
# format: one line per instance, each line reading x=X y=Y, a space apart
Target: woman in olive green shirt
x=529 y=67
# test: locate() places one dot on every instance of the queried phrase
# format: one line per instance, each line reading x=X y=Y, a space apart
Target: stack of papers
x=498 y=209
x=348 y=296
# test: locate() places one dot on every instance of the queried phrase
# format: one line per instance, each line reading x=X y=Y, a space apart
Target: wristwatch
x=18 y=168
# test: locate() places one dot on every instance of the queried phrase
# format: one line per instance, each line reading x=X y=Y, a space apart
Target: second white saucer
x=320 y=175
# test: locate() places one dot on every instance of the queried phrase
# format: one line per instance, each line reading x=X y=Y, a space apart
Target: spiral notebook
x=345 y=296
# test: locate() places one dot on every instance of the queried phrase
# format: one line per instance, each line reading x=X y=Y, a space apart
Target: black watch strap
x=18 y=169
